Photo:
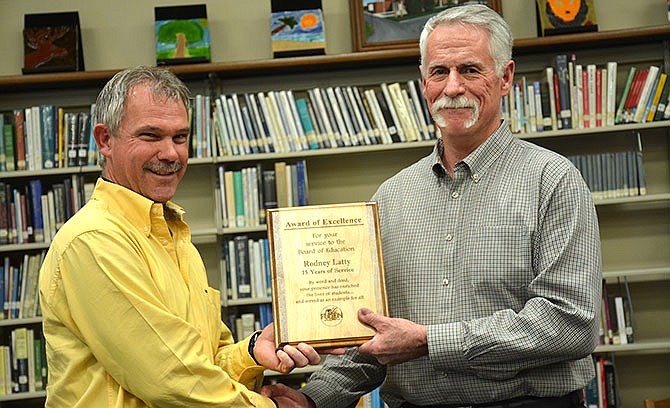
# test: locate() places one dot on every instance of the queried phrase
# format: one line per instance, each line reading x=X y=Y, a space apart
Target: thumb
x=367 y=316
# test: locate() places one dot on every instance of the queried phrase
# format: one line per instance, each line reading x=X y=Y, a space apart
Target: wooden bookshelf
x=353 y=173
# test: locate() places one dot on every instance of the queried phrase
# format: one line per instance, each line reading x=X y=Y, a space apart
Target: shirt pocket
x=498 y=265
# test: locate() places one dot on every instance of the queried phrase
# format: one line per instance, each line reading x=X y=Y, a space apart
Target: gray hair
x=500 y=34
x=111 y=103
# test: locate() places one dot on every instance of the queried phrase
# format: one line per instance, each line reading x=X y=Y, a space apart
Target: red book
x=634 y=94
x=586 y=119
x=20 y=142
x=599 y=97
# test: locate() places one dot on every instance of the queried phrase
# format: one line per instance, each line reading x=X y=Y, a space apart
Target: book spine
x=19 y=130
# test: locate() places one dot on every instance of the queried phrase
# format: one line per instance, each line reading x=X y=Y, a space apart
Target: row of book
x=246 y=193
x=19 y=291
x=23 y=362
x=612 y=174
x=242 y=325
x=282 y=121
x=575 y=96
x=602 y=391
x=571 y=95
x=46 y=137
x=246 y=267
x=33 y=212
x=617 y=319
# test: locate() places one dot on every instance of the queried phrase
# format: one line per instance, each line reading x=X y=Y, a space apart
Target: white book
x=224 y=137
x=232 y=271
x=402 y=112
x=416 y=102
x=645 y=94
x=412 y=113
x=238 y=123
x=539 y=114
x=377 y=116
x=601 y=81
x=620 y=319
x=532 y=116
x=591 y=82
x=258 y=275
x=302 y=137
x=269 y=121
x=367 y=115
x=356 y=138
x=233 y=134
x=394 y=115
x=579 y=99
x=222 y=194
x=332 y=99
x=324 y=117
x=273 y=105
x=611 y=92
x=359 y=114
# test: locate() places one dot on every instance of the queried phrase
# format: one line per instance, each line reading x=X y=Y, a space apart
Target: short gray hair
x=112 y=100
x=500 y=34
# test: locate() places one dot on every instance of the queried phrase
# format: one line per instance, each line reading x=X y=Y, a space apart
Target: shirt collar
x=136 y=208
x=482 y=157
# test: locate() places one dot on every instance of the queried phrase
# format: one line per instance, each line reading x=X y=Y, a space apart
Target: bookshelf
x=635 y=230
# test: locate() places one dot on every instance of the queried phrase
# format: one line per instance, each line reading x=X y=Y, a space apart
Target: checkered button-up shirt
x=501 y=262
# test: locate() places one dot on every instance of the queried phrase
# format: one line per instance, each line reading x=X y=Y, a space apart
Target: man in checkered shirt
x=491 y=253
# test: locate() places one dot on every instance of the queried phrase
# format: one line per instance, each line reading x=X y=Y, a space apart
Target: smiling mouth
x=164 y=169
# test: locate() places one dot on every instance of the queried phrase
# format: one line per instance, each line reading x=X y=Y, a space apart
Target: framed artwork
x=298 y=32
x=182 y=35
x=561 y=17
x=52 y=43
x=397 y=24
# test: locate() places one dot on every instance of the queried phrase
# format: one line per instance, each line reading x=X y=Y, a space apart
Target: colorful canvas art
x=182 y=35
x=566 y=16
x=298 y=32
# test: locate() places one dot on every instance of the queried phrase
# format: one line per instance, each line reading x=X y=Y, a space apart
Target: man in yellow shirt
x=129 y=318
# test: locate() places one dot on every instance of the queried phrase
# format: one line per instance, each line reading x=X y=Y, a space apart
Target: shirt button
x=445 y=282
x=455 y=194
x=476 y=177
x=146 y=228
x=449 y=237
x=165 y=242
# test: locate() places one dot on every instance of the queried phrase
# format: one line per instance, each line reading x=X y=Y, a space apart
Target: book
x=281 y=183
x=35 y=187
x=663 y=103
x=563 y=107
x=610 y=110
x=19 y=133
x=243 y=269
x=645 y=93
x=20 y=353
x=660 y=86
x=9 y=148
x=624 y=95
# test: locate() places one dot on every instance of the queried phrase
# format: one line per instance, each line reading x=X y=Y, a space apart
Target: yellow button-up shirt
x=129 y=318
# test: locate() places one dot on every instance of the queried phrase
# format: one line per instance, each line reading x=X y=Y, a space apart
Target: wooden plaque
x=325 y=263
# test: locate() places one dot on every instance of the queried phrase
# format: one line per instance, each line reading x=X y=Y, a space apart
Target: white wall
x=119 y=33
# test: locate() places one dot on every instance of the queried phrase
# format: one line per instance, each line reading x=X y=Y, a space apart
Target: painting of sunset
x=298 y=32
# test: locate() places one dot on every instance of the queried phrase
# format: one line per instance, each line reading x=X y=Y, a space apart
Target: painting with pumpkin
x=566 y=16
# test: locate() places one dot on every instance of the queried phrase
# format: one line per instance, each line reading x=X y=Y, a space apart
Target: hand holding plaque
x=325 y=263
